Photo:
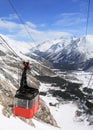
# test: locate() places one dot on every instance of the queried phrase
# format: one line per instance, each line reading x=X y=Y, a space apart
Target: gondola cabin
x=27 y=98
x=27 y=104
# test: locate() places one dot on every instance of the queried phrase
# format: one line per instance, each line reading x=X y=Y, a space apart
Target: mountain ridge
x=71 y=53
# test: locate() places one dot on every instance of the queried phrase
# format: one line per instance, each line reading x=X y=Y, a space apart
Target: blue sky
x=44 y=19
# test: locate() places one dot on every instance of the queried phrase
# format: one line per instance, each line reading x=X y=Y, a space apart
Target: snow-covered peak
x=68 y=50
x=2 y=48
x=82 y=43
x=59 y=44
x=88 y=40
x=18 y=46
x=53 y=45
x=44 y=46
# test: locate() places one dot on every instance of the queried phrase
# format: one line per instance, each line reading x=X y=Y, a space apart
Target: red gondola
x=26 y=99
x=26 y=104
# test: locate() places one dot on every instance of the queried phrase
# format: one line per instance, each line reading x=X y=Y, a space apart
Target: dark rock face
x=2 y=53
x=85 y=112
x=67 y=91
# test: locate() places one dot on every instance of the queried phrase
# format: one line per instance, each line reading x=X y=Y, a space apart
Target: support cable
x=86 y=30
x=21 y=20
x=88 y=11
x=9 y=47
x=6 y=45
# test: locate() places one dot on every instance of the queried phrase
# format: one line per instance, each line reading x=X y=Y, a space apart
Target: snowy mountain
x=10 y=74
x=48 y=45
x=18 y=46
x=60 y=92
x=68 y=53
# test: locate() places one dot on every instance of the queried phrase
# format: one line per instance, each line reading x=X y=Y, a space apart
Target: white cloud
x=10 y=17
x=49 y=35
x=31 y=25
x=69 y=19
x=27 y=32
x=8 y=25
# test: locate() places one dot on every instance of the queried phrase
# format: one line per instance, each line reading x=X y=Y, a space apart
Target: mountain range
x=67 y=53
x=56 y=88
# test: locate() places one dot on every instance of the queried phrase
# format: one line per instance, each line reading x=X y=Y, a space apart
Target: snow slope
x=13 y=123
x=18 y=46
x=64 y=113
